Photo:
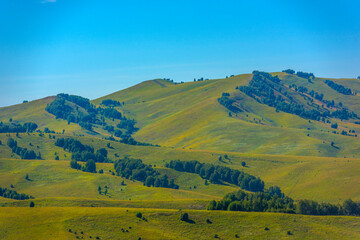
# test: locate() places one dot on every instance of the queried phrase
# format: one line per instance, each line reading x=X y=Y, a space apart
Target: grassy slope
x=106 y=223
x=318 y=178
x=185 y=116
x=34 y=111
x=56 y=179
x=189 y=116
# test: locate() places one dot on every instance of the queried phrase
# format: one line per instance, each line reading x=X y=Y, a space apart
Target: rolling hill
x=298 y=132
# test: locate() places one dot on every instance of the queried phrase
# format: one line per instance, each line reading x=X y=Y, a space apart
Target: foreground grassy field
x=108 y=223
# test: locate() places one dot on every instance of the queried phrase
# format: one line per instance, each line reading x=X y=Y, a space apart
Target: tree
x=90 y=166
x=243 y=164
x=184 y=217
x=99 y=190
x=32 y=204
x=27 y=176
x=102 y=151
x=139 y=215
x=351 y=208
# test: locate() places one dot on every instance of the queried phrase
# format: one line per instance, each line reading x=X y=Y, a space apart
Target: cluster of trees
x=8 y=193
x=266 y=75
x=47 y=130
x=81 y=152
x=309 y=207
x=135 y=169
x=289 y=71
x=254 y=202
x=79 y=110
x=339 y=88
x=218 y=174
x=128 y=124
x=274 y=201
x=62 y=108
x=109 y=113
x=78 y=100
x=126 y=139
x=24 y=153
x=200 y=79
x=305 y=75
x=262 y=89
x=344 y=113
x=17 y=128
x=110 y=103
x=90 y=166
x=227 y=102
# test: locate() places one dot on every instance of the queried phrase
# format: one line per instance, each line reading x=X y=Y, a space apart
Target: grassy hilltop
x=188 y=116
x=306 y=158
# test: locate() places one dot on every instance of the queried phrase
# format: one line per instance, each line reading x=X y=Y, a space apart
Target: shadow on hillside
x=190 y=221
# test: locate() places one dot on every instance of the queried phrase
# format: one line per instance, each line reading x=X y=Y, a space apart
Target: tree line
x=24 y=153
x=254 y=202
x=17 y=128
x=272 y=201
x=8 y=193
x=339 y=88
x=135 y=169
x=218 y=174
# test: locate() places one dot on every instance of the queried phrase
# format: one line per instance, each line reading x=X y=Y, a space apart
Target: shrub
x=184 y=217
x=32 y=204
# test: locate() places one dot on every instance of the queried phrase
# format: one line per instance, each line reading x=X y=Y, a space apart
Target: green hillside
x=189 y=116
x=318 y=178
x=311 y=153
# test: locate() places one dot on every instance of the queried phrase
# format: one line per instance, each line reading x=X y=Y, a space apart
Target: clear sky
x=92 y=48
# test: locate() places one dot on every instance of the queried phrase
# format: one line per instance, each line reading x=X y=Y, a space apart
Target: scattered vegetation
x=24 y=153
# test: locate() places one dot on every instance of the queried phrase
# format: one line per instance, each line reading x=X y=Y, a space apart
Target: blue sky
x=92 y=48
